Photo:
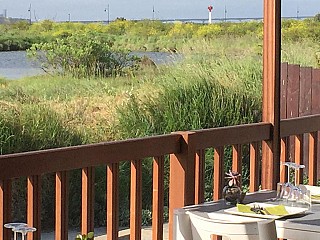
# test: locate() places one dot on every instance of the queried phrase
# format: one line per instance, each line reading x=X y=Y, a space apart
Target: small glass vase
x=232 y=195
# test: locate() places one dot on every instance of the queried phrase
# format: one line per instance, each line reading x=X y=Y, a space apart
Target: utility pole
x=298 y=11
x=69 y=16
x=225 y=13
x=29 y=10
x=108 y=12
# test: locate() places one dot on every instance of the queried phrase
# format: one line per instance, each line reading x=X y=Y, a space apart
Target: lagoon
x=15 y=65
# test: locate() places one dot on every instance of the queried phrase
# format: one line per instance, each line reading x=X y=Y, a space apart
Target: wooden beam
x=112 y=197
x=271 y=92
x=5 y=208
x=158 y=198
x=34 y=206
x=87 y=203
x=61 y=225
x=182 y=178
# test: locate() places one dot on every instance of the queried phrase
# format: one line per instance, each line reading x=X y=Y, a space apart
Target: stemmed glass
x=292 y=192
x=284 y=190
x=24 y=230
x=14 y=226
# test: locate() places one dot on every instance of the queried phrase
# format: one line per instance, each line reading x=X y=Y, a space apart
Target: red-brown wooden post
x=254 y=166
x=237 y=158
x=34 y=206
x=87 y=213
x=136 y=200
x=5 y=208
x=271 y=92
x=313 y=152
x=112 y=200
x=61 y=206
x=199 y=176
x=182 y=176
x=218 y=173
x=158 y=198
x=315 y=88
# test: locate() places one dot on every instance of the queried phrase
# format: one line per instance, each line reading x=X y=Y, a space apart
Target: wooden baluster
x=112 y=201
x=136 y=200
x=158 y=198
x=254 y=167
x=237 y=159
x=87 y=218
x=61 y=206
x=34 y=206
x=284 y=156
x=313 y=153
x=5 y=208
x=298 y=157
x=199 y=176
x=218 y=179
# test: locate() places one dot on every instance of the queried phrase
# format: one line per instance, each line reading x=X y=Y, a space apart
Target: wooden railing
x=59 y=161
x=187 y=159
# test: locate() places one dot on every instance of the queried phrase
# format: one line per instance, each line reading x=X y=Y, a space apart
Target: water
x=15 y=65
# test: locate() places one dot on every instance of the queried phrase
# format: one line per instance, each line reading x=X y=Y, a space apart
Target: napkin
x=278 y=210
x=244 y=208
x=315 y=196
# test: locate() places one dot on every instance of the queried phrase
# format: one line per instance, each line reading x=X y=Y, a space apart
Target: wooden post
x=112 y=197
x=271 y=92
x=87 y=203
x=34 y=206
x=5 y=208
x=182 y=182
x=61 y=226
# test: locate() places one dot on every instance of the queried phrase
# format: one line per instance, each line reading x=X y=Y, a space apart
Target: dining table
x=303 y=226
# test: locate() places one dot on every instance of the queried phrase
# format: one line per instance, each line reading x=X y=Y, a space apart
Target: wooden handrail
x=299 y=125
x=78 y=157
x=232 y=135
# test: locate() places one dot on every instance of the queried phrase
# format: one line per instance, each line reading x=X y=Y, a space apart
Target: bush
x=84 y=55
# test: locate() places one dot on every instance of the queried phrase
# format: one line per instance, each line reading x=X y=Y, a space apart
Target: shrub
x=83 y=55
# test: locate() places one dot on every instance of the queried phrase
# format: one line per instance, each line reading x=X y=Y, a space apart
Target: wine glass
x=24 y=230
x=13 y=226
x=284 y=190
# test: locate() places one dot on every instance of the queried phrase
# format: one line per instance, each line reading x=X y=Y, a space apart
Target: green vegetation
x=83 y=55
x=147 y=35
x=217 y=83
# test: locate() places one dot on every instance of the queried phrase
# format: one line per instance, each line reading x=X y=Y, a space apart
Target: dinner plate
x=290 y=210
x=314 y=192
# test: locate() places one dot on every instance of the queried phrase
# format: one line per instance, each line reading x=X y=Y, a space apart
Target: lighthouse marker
x=210 y=9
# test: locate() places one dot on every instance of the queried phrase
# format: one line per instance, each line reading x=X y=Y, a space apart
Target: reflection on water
x=14 y=65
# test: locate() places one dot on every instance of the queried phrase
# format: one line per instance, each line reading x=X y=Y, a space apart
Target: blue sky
x=142 y=9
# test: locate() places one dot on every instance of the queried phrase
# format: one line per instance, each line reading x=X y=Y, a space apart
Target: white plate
x=314 y=190
x=291 y=211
